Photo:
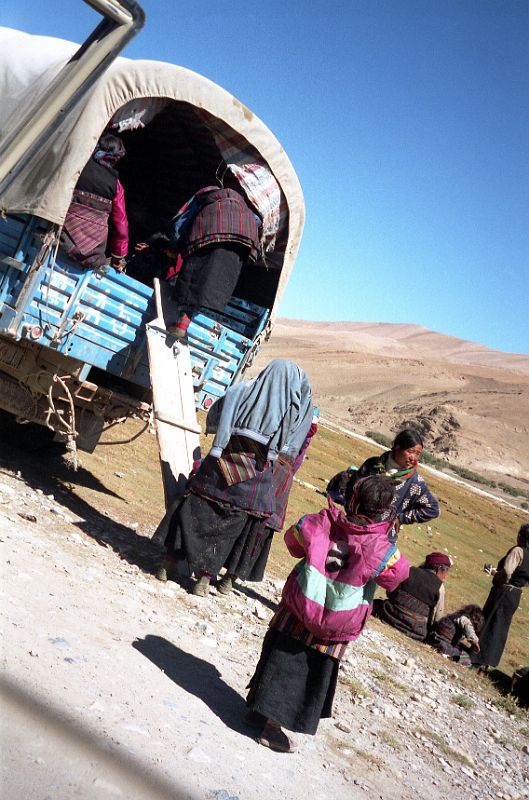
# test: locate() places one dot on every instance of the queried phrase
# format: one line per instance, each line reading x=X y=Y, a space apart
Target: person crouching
x=326 y=602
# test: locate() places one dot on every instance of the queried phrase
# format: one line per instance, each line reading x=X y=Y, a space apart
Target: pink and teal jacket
x=335 y=605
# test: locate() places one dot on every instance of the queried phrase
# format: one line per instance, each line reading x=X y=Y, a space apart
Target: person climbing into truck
x=217 y=232
x=96 y=229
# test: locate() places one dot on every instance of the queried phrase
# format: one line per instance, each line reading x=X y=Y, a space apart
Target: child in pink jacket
x=326 y=602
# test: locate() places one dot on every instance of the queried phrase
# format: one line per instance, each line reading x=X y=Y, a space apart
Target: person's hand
x=118 y=263
x=140 y=246
x=489 y=569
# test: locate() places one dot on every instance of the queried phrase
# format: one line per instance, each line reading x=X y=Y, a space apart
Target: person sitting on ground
x=326 y=603
x=418 y=603
x=217 y=232
x=520 y=686
x=449 y=632
x=96 y=228
x=337 y=485
x=509 y=578
x=219 y=522
x=413 y=500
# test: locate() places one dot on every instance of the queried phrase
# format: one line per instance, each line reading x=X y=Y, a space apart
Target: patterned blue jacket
x=412 y=500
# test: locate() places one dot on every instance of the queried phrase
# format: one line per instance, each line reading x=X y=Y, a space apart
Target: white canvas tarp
x=45 y=185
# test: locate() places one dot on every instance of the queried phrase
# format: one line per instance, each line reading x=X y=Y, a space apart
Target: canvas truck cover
x=130 y=92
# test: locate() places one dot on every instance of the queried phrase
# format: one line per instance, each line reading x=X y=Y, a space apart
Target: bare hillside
x=471 y=402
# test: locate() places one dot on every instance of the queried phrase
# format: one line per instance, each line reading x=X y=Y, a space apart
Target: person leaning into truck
x=217 y=232
x=96 y=228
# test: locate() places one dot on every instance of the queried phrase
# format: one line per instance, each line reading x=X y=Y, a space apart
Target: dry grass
x=390 y=683
x=356 y=689
x=388 y=738
x=473 y=529
x=444 y=748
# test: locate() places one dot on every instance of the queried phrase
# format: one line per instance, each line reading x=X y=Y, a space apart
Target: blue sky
x=408 y=125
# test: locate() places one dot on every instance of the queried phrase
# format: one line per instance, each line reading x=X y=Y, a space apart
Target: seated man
x=418 y=602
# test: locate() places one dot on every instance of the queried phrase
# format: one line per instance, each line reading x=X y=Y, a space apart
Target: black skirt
x=499 y=610
x=293 y=684
x=209 y=276
x=211 y=536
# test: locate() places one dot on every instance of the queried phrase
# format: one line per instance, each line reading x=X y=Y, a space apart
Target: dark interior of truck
x=166 y=162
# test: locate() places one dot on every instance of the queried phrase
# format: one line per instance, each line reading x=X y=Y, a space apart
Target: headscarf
x=274 y=408
x=263 y=192
x=109 y=150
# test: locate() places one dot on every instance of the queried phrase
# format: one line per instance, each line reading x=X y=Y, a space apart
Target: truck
x=74 y=341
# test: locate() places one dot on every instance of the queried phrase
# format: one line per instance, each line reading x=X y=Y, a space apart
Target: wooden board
x=174 y=411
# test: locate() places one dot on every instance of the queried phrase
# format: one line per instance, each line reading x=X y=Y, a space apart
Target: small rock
x=342 y=727
x=204 y=629
x=119 y=474
x=198 y=755
x=525 y=749
x=222 y=794
x=108 y=787
x=260 y=611
x=27 y=517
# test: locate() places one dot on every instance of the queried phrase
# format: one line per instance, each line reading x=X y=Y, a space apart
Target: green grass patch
x=463 y=701
x=509 y=704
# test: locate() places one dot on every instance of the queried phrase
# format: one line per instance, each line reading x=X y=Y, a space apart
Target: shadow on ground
x=198 y=677
x=40 y=470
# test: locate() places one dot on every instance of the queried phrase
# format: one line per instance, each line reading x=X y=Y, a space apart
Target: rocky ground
x=117 y=685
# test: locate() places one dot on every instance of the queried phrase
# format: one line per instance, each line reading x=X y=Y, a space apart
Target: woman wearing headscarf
x=509 y=578
x=217 y=232
x=283 y=472
x=96 y=227
x=418 y=602
x=220 y=521
x=413 y=501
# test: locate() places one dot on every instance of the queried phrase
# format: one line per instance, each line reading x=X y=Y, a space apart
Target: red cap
x=438 y=560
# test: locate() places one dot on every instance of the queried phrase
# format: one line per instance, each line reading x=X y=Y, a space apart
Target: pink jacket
x=335 y=605
x=119 y=227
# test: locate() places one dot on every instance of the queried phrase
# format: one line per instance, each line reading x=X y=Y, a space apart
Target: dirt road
x=116 y=685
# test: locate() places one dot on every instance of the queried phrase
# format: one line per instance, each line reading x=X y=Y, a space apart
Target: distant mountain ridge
x=407 y=339
x=470 y=402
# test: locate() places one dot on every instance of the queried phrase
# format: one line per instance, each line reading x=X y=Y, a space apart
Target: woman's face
x=409 y=457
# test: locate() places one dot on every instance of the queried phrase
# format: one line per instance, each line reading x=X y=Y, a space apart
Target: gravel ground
x=117 y=685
